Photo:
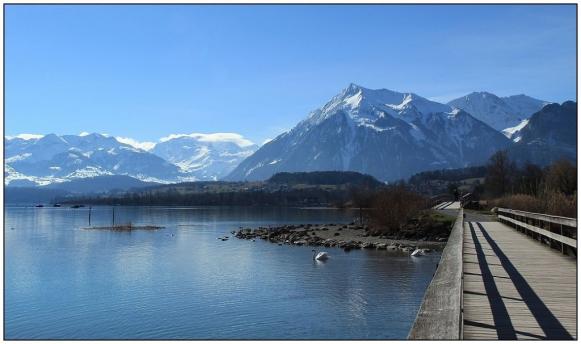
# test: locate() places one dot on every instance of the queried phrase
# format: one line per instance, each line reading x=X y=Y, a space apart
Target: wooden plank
x=536 y=286
x=560 y=238
x=439 y=316
x=566 y=221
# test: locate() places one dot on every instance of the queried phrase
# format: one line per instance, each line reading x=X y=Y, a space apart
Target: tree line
x=529 y=187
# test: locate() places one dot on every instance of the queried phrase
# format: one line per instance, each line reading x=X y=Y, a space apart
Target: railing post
x=543 y=229
x=562 y=245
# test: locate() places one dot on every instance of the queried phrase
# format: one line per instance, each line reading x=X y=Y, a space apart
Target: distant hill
x=100 y=184
x=61 y=191
x=283 y=189
x=453 y=174
x=438 y=182
x=32 y=195
x=324 y=178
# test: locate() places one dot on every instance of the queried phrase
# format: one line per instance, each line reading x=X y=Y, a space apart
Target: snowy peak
x=385 y=133
x=51 y=158
x=365 y=106
x=205 y=156
x=355 y=96
x=501 y=113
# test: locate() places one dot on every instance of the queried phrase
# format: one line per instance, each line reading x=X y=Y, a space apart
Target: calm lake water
x=63 y=281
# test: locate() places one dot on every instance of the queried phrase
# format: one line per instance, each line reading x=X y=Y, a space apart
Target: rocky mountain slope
x=550 y=135
x=33 y=160
x=390 y=135
x=501 y=113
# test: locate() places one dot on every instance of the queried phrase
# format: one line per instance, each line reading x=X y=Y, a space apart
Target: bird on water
x=320 y=255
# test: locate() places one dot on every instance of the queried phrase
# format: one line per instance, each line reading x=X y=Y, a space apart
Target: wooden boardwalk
x=454 y=205
x=515 y=287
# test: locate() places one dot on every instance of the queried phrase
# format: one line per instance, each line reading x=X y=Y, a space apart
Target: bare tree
x=561 y=177
x=500 y=173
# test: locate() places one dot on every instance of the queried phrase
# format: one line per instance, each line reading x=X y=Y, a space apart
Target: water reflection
x=63 y=281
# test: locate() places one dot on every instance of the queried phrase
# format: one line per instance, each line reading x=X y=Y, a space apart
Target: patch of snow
x=26 y=136
x=88 y=172
x=18 y=157
x=214 y=137
x=509 y=132
x=145 y=145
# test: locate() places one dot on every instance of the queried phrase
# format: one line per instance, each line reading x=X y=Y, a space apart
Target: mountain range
x=505 y=114
x=32 y=160
x=390 y=135
x=387 y=134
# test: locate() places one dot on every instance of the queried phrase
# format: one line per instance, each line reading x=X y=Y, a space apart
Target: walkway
x=448 y=205
x=516 y=287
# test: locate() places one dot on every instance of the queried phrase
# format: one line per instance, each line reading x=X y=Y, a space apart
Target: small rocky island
x=347 y=236
x=127 y=227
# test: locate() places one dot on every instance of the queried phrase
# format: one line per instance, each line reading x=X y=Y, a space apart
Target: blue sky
x=149 y=71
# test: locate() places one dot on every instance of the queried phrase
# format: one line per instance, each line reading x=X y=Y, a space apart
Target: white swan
x=417 y=252
x=320 y=255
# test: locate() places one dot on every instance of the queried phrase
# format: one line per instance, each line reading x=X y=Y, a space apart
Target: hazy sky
x=150 y=71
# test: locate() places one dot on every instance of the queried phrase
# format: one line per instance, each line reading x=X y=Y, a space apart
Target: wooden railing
x=440 y=315
x=556 y=231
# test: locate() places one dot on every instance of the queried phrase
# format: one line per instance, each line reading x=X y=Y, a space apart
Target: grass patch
x=437 y=217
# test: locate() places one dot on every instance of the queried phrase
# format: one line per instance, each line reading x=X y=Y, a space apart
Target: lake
x=66 y=282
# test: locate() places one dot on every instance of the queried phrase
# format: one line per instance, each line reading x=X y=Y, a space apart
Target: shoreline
x=345 y=236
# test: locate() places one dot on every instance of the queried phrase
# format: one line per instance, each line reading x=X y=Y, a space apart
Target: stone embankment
x=345 y=236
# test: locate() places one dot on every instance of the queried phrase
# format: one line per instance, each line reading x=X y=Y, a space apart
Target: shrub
x=551 y=202
x=393 y=206
x=557 y=203
x=519 y=202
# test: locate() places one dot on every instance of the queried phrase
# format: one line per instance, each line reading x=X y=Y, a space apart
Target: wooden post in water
x=89 y=216
x=113 y=216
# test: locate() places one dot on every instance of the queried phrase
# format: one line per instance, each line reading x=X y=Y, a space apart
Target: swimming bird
x=417 y=252
x=320 y=255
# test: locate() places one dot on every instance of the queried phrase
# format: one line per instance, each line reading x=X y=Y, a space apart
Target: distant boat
x=75 y=206
x=39 y=205
x=57 y=205
x=418 y=252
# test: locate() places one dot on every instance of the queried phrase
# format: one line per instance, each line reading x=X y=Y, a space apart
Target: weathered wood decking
x=515 y=287
x=454 y=205
x=510 y=285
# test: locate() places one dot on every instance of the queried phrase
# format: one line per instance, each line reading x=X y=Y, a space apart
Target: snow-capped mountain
x=52 y=158
x=550 y=135
x=387 y=134
x=205 y=156
x=44 y=159
x=505 y=114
